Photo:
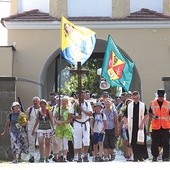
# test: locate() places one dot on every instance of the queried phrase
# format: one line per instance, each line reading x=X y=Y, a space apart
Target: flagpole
x=59 y=89
x=79 y=82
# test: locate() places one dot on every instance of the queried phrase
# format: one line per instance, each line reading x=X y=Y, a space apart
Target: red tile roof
x=36 y=15
x=147 y=15
x=32 y=15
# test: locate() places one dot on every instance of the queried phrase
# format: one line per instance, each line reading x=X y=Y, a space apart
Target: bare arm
x=6 y=128
x=35 y=125
x=69 y=120
x=92 y=125
x=105 y=126
x=51 y=119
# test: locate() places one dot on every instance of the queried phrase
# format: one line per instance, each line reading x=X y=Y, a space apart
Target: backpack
x=30 y=110
x=29 y=113
x=95 y=114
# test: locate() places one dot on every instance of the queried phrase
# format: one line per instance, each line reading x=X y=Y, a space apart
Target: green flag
x=116 y=69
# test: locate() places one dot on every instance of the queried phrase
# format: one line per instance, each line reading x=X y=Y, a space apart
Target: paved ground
x=118 y=164
x=25 y=157
x=119 y=157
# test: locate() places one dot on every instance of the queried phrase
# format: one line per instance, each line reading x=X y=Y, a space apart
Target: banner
x=116 y=69
x=77 y=43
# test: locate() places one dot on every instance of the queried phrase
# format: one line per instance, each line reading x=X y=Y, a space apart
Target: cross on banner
x=79 y=72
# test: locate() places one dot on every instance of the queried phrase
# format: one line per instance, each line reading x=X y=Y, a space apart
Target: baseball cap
x=43 y=101
x=105 y=93
x=15 y=104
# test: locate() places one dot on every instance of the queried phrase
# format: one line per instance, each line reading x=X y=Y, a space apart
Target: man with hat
x=160 y=123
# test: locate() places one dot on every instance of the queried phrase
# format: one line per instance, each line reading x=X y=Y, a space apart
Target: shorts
x=98 y=137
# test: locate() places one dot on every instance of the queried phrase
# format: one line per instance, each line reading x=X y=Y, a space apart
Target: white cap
x=43 y=101
x=15 y=104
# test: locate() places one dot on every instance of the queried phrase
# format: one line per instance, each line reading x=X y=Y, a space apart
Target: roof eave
x=93 y=24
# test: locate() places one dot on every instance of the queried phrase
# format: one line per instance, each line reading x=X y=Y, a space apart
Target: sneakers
x=112 y=158
x=165 y=160
x=97 y=159
x=41 y=160
x=129 y=158
x=60 y=159
x=51 y=156
x=75 y=158
x=100 y=159
x=31 y=160
x=64 y=160
x=14 y=161
x=85 y=159
x=93 y=159
x=154 y=159
x=54 y=159
x=47 y=160
x=79 y=160
x=106 y=159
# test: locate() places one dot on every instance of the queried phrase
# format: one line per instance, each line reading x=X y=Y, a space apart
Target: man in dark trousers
x=160 y=123
x=135 y=117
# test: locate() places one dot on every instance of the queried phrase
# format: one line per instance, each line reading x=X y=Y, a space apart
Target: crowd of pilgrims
x=81 y=127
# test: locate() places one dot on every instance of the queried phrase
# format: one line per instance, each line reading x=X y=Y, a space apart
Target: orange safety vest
x=162 y=113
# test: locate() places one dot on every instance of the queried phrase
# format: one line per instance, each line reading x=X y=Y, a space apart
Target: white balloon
x=99 y=71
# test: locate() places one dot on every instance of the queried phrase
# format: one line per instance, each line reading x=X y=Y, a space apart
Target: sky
x=4 y=12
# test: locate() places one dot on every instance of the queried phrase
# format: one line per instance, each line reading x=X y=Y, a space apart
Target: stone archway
x=50 y=70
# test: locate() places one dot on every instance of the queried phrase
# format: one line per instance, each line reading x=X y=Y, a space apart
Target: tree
x=91 y=81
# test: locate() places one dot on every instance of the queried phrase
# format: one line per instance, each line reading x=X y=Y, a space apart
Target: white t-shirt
x=86 y=107
x=32 y=116
x=99 y=119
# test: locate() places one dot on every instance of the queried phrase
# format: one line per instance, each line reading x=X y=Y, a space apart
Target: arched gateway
x=49 y=74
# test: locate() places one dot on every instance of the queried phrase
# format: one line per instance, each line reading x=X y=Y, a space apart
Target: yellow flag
x=77 y=43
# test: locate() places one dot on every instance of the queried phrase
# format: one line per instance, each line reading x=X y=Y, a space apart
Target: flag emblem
x=115 y=67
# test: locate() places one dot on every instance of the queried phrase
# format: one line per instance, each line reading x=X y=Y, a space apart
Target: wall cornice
x=92 y=25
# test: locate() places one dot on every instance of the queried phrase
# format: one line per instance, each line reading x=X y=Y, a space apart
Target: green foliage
x=90 y=81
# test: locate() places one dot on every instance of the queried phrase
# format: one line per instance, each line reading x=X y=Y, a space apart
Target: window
x=89 y=8
x=4 y=12
x=26 y=5
x=137 y=5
